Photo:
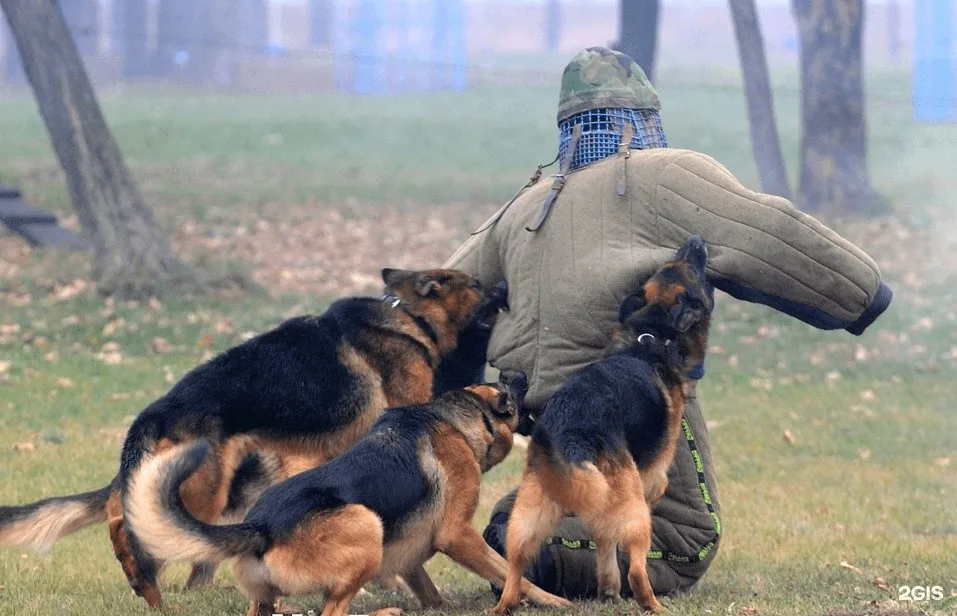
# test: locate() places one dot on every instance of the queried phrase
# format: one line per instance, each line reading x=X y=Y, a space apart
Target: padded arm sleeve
x=762 y=249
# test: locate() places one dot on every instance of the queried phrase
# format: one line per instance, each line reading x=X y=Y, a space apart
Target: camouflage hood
x=598 y=78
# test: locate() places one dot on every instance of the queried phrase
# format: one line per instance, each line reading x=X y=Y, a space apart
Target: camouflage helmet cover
x=599 y=78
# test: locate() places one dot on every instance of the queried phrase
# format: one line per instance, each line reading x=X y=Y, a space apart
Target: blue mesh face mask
x=601 y=133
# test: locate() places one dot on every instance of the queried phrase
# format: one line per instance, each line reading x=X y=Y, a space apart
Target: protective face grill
x=601 y=133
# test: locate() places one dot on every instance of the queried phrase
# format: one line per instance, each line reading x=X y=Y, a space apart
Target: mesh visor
x=601 y=133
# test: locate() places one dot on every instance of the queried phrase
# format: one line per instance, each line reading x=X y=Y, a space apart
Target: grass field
x=311 y=195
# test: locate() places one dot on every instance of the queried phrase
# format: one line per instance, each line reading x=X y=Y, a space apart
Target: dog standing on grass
x=603 y=444
x=406 y=490
x=278 y=404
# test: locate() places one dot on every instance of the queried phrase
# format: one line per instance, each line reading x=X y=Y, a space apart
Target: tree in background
x=131 y=256
x=638 y=32
x=130 y=19
x=320 y=22
x=553 y=24
x=833 y=176
x=757 y=89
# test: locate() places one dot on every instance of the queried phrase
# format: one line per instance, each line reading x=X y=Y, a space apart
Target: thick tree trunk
x=131 y=257
x=223 y=29
x=638 y=35
x=833 y=174
x=757 y=88
x=12 y=69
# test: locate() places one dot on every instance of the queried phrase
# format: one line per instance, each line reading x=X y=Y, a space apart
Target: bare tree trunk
x=834 y=174
x=130 y=19
x=131 y=257
x=553 y=24
x=320 y=22
x=638 y=35
x=757 y=88
x=892 y=15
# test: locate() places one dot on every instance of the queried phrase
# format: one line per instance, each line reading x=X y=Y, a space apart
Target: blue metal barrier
x=935 y=69
x=427 y=46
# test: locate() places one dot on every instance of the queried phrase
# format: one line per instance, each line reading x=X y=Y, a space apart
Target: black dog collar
x=425 y=326
x=648 y=338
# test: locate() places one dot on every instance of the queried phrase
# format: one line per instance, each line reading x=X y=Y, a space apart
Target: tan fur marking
x=48 y=524
x=152 y=523
x=333 y=552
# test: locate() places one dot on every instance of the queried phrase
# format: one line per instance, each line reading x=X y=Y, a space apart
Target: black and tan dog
x=603 y=444
x=407 y=489
x=280 y=403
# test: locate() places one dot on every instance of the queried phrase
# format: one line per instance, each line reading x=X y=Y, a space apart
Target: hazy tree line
x=133 y=258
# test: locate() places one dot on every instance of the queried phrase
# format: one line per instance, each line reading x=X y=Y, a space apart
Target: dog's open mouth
x=496 y=301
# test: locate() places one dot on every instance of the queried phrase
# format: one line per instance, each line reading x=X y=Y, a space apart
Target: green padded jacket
x=616 y=221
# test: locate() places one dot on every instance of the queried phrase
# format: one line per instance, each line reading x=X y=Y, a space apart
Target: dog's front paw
x=388 y=611
x=652 y=605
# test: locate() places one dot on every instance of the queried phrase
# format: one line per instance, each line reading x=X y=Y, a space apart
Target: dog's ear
x=394 y=277
x=631 y=304
x=427 y=286
x=694 y=252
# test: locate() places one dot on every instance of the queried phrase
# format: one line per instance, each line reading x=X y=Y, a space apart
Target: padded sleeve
x=762 y=249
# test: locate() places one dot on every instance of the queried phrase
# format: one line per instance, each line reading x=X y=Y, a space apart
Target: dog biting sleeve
x=762 y=249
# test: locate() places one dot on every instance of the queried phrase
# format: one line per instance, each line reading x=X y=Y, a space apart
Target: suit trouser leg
x=686 y=527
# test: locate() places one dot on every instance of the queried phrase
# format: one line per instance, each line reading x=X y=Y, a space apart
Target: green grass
x=869 y=479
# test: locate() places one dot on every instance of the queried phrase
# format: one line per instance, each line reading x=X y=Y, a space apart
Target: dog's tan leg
x=260 y=608
x=338 y=600
x=533 y=517
x=609 y=576
x=425 y=591
x=466 y=547
x=627 y=519
x=638 y=545
x=387 y=611
x=201 y=576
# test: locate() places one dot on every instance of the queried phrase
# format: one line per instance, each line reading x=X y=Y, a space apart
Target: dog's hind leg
x=425 y=591
x=533 y=517
x=627 y=520
x=465 y=546
x=638 y=544
x=609 y=576
x=201 y=576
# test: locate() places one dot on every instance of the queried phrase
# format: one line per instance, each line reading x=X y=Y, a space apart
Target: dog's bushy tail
x=156 y=513
x=580 y=481
x=41 y=524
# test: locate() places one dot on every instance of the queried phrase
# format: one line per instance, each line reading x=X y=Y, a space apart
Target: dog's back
x=381 y=472
x=614 y=404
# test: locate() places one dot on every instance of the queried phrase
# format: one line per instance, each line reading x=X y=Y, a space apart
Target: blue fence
x=392 y=46
x=935 y=68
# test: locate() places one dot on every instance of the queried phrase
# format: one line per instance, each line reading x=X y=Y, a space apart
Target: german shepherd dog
x=278 y=404
x=407 y=489
x=603 y=444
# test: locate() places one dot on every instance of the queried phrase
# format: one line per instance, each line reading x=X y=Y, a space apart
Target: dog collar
x=647 y=338
x=425 y=326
